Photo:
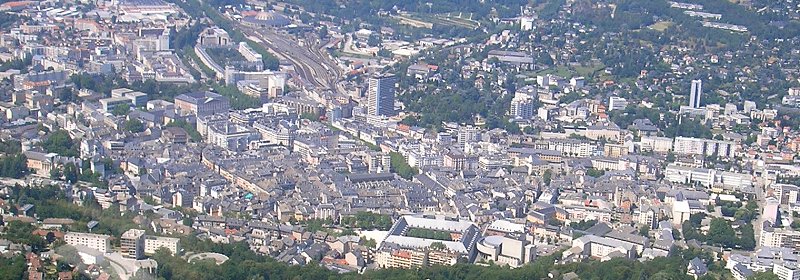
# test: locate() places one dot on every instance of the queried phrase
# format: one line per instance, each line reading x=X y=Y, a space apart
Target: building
x=656 y=144
x=779 y=237
x=770 y=212
x=174 y=135
x=696 y=93
x=704 y=147
x=99 y=242
x=467 y=134
x=696 y=268
x=132 y=244
x=526 y=23
x=505 y=251
x=202 y=103
x=380 y=95
x=786 y=194
x=233 y=137
x=416 y=241
x=617 y=103
x=780 y=261
x=108 y=104
x=522 y=107
x=708 y=177
x=518 y=59
x=153 y=243
x=601 y=248
x=215 y=36
x=786 y=271
x=680 y=212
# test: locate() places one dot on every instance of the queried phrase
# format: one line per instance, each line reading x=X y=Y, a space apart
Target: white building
x=505 y=251
x=601 y=248
x=402 y=248
x=770 y=212
x=656 y=144
x=680 y=212
x=786 y=271
x=617 y=103
x=779 y=237
x=708 y=177
x=153 y=243
x=526 y=23
x=696 y=93
x=705 y=147
x=521 y=107
x=100 y=242
x=132 y=244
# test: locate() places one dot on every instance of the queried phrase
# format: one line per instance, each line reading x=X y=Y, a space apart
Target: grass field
x=661 y=25
x=569 y=72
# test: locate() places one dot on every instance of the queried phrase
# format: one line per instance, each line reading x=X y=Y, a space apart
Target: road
x=314 y=67
x=758 y=222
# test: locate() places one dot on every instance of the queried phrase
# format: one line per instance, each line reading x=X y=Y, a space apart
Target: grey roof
x=599 y=229
x=698 y=266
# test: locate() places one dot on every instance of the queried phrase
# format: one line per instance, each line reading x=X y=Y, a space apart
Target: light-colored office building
x=696 y=93
x=416 y=241
x=132 y=244
x=504 y=250
x=153 y=243
x=100 y=242
x=601 y=248
x=380 y=95
x=705 y=147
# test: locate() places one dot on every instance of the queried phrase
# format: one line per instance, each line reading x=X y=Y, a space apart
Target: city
x=383 y=139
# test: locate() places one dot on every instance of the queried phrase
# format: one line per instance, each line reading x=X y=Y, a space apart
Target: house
x=696 y=268
x=26 y=210
x=354 y=258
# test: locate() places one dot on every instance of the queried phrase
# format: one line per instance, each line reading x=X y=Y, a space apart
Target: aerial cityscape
x=390 y=139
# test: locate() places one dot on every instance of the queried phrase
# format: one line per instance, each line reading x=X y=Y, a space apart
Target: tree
x=323 y=32
x=765 y=275
x=644 y=230
x=10 y=146
x=437 y=246
x=547 y=177
x=50 y=237
x=14 y=166
x=13 y=267
x=370 y=243
x=55 y=173
x=401 y=167
x=71 y=173
x=747 y=240
x=121 y=110
x=374 y=40
x=134 y=125
x=595 y=172
x=721 y=233
x=61 y=143
x=21 y=232
x=583 y=225
x=66 y=95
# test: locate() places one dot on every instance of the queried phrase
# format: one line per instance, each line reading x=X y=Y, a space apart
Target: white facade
x=601 y=247
x=656 y=144
x=706 y=147
x=786 y=271
x=617 y=103
x=503 y=250
x=153 y=243
x=98 y=242
x=696 y=93
x=521 y=107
